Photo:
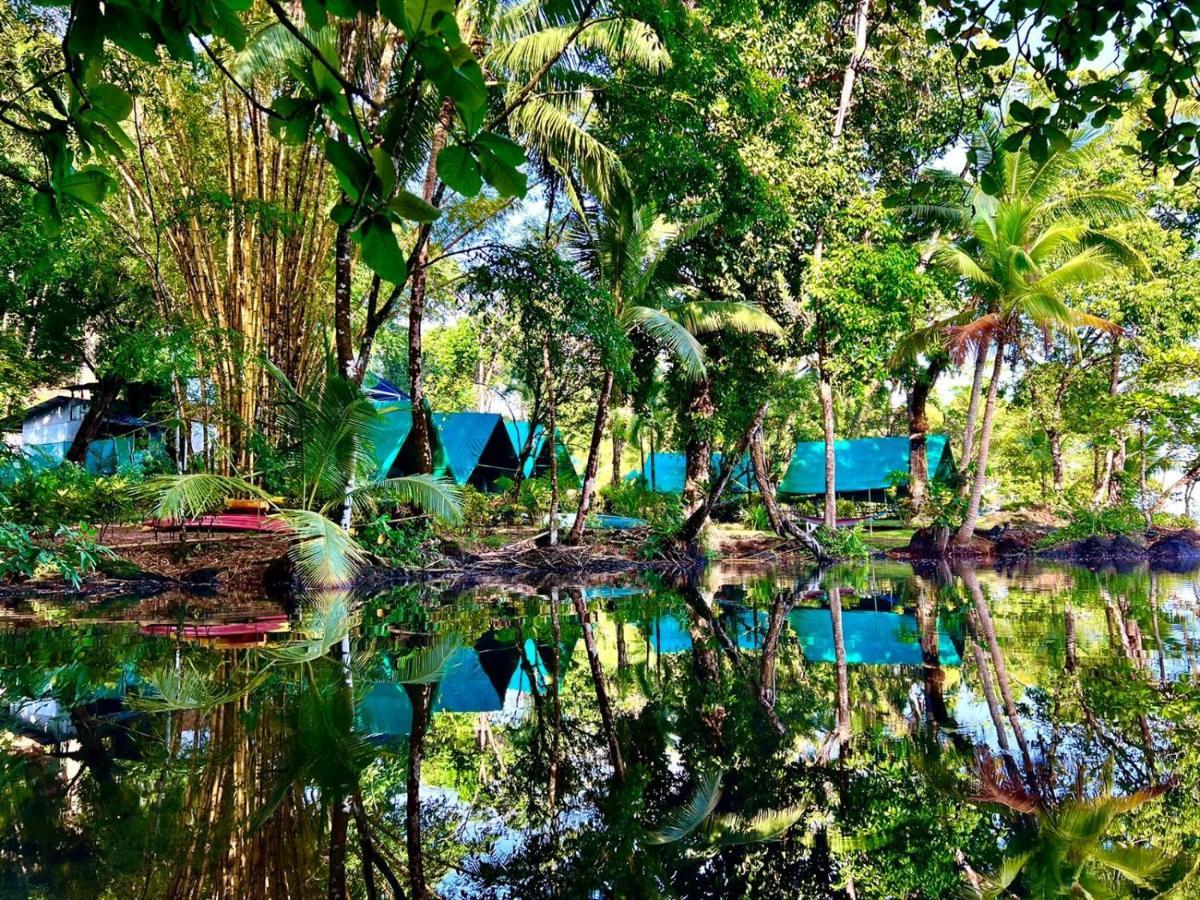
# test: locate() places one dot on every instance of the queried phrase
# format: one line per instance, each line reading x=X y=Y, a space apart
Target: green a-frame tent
x=538 y=461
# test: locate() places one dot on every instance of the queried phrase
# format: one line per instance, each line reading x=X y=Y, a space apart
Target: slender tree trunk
x=935 y=675
x=618 y=446
x=841 y=730
x=1183 y=482
x=1108 y=488
x=698 y=464
x=588 y=491
x=968 y=442
x=828 y=426
x=1056 y=460
x=696 y=521
x=416 y=307
x=602 y=701
x=781 y=523
x=339 y=824
x=967 y=531
x=342 y=320
x=101 y=401
x=552 y=437
x=421 y=697
x=993 y=705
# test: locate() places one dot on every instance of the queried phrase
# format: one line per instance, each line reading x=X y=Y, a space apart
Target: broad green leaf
x=381 y=251
x=409 y=206
x=505 y=178
x=111 y=100
x=352 y=168
x=503 y=148
x=459 y=169
x=423 y=16
x=88 y=186
x=385 y=169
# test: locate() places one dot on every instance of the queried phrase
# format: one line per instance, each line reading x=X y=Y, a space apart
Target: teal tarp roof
x=666 y=473
x=863 y=464
x=539 y=460
x=391 y=430
x=476 y=441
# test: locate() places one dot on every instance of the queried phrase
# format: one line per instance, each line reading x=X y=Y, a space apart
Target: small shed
x=866 y=467
x=666 y=473
x=538 y=461
x=48 y=429
x=478 y=448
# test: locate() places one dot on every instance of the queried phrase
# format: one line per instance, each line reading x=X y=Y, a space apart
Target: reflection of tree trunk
x=421 y=697
x=780 y=607
x=989 y=694
x=935 y=675
x=1072 y=652
x=556 y=700
x=588 y=490
x=602 y=701
x=984 y=619
x=339 y=824
x=842 y=731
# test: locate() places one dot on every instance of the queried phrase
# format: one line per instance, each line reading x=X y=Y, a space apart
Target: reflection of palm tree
x=602 y=702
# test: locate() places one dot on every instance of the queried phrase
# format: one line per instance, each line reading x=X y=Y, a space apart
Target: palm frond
x=189 y=496
x=1088 y=265
x=685 y=820
x=183 y=687
x=324 y=554
x=438 y=497
x=326 y=619
x=553 y=132
x=707 y=316
x=956 y=259
x=626 y=41
x=669 y=334
x=731 y=829
x=427 y=665
x=973 y=336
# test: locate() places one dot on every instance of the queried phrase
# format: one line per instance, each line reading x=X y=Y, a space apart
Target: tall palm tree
x=1026 y=237
x=329 y=467
x=622 y=250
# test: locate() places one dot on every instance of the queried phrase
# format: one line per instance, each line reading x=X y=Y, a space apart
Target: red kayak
x=223 y=522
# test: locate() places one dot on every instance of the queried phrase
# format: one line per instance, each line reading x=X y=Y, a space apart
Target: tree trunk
x=935 y=675
x=618 y=447
x=552 y=437
x=1056 y=460
x=342 y=282
x=588 y=490
x=421 y=697
x=698 y=452
x=841 y=730
x=967 y=531
x=968 y=442
x=696 y=521
x=602 y=701
x=829 y=515
x=781 y=523
x=101 y=401
x=918 y=432
x=1184 y=482
x=416 y=307
x=338 y=827
x=993 y=705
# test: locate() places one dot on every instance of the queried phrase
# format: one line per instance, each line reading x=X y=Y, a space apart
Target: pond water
x=863 y=731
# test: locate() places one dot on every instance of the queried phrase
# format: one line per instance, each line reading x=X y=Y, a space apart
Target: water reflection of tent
x=476 y=679
x=871 y=638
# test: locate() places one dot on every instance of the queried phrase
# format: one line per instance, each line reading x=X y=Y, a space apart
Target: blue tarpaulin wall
x=863 y=464
x=666 y=473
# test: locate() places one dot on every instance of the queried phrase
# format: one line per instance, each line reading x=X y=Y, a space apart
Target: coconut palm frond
x=324 y=554
x=706 y=316
x=189 y=496
x=530 y=53
x=685 y=820
x=269 y=50
x=955 y=259
x=1088 y=265
x=326 y=619
x=1087 y=320
x=1098 y=206
x=427 y=665
x=438 y=497
x=973 y=336
x=554 y=132
x=182 y=687
x=998 y=884
x=626 y=41
x=731 y=829
x=669 y=334
x=1115 y=247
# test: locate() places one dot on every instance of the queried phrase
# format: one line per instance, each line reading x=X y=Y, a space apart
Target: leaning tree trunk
x=696 y=521
x=602 y=700
x=98 y=406
x=698 y=452
x=781 y=523
x=829 y=427
x=967 y=531
x=588 y=491
x=1054 y=436
x=968 y=442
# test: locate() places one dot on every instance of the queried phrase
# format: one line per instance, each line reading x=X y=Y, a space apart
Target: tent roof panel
x=863 y=464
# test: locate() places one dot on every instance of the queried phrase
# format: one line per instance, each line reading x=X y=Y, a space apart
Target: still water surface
x=864 y=731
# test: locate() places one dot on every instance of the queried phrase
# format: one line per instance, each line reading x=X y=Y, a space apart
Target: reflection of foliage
x=699 y=817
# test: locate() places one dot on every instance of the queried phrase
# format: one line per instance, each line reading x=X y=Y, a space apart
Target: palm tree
x=329 y=467
x=622 y=250
x=1027 y=237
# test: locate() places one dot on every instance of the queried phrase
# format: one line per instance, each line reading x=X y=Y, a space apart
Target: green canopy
x=478 y=448
x=864 y=465
x=538 y=461
x=666 y=473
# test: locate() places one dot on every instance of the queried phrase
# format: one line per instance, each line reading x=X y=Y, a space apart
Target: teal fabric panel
x=863 y=464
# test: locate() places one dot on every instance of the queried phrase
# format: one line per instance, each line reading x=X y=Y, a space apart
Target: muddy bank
x=208 y=565
x=1157 y=547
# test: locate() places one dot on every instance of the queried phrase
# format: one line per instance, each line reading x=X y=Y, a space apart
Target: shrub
x=68 y=494
x=534 y=497
x=629 y=498
x=842 y=543
x=754 y=515
x=71 y=552
x=399 y=543
x=1086 y=523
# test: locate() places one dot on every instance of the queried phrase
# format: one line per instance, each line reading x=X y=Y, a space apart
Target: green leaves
x=489 y=157
x=381 y=251
x=353 y=169
x=458 y=168
x=408 y=205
